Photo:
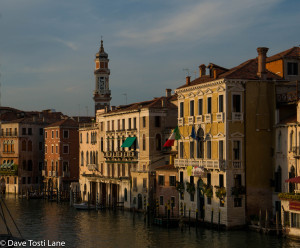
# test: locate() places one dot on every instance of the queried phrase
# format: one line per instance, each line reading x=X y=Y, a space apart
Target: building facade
x=61 y=155
x=225 y=118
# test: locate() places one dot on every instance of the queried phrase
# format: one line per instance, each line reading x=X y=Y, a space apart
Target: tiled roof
x=169 y=167
x=246 y=70
x=154 y=103
x=293 y=52
x=64 y=123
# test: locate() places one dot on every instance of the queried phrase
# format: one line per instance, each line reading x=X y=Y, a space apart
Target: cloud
x=68 y=44
x=196 y=21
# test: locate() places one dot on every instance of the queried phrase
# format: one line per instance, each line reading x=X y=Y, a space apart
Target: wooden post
x=219 y=219
x=260 y=224
x=212 y=217
x=277 y=224
x=196 y=218
x=189 y=218
x=71 y=194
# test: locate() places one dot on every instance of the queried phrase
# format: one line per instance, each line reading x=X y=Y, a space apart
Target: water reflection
x=42 y=220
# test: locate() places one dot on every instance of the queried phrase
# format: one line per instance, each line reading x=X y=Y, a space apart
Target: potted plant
x=190 y=188
x=221 y=193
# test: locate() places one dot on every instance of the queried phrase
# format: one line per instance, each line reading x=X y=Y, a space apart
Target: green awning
x=128 y=142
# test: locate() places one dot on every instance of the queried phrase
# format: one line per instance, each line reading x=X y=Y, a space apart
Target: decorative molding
x=191 y=95
x=200 y=93
x=220 y=89
x=237 y=135
x=208 y=91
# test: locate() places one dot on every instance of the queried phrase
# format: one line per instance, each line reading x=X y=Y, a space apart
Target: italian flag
x=174 y=136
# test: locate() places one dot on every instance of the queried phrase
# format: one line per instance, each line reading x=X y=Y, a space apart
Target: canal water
x=40 y=220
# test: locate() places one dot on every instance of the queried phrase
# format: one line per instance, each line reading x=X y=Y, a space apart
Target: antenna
x=187 y=71
x=125 y=94
x=195 y=72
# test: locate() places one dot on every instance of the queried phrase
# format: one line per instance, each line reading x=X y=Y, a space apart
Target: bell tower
x=102 y=94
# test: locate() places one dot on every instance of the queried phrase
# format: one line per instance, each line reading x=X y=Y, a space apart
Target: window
x=192 y=108
x=208 y=149
x=66 y=149
x=134 y=123
x=56 y=149
x=30 y=165
x=135 y=183
x=46 y=134
x=200 y=107
x=41 y=131
x=157 y=121
x=144 y=142
x=292 y=175
x=144 y=121
x=295 y=220
x=172 y=201
x=29 y=180
x=181 y=109
x=101 y=126
x=87 y=158
x=221 y=151
x=292 y=68
x=209 y=105
x=108 y=125
x=30 y=145
x=236 y=150
x=65 y=166
x=46 y=148
x=291 y=140
x=161 y=180
x=192 y=147
x=30 y=131
x=208 y=179
x=237 y=180
x=221 y=103
x=278 y=180
x=23 y=131
x=181 y=176
x=87 y=138
x=66 y=134
x=129 y=123
x=123 y=124
x=52 y=134
x=101 y=143
x=237 y=202
x=236 y=103
x=144 y=183
x=208 y=201
x=80 y=138
x=82 y=158
x=221 y=180
x=125 y=194
x=161 y=200
x=119 y=125
x=52 y=148
x=181 y=150
x=7 y=180
x=56 y=133
x=172 y=180
x=23 y=180
x=158 y=142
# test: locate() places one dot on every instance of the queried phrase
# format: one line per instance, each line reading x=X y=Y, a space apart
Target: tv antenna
x=187 y=71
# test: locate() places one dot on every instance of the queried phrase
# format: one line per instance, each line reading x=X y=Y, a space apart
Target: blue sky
x=47 y=47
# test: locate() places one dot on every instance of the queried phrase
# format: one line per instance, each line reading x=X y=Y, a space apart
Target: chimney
x=163 y=102
x=202 y=70
x=168 y=92
x=188 y=80
x=262 y=55
x=113 y=107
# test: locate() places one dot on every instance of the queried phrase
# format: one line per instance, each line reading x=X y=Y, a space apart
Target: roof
x=154 y=103
x=293 y=52
x=64 y=123
x=247 y=70
x=168 y=167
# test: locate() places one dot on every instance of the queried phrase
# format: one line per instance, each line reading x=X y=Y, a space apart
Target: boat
x=83 y=206
x=8 y=239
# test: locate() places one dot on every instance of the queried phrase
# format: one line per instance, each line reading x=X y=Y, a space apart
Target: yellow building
x=225 y=166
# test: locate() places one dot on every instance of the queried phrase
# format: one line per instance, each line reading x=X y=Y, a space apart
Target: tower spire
x=101 y=47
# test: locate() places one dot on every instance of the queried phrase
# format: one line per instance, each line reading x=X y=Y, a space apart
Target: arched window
x=91 y=158
x=279 y=142
x=30 y=165
x=291 y=140
x=200 y=143
x=87 y=137
x=87 y=157
x=112 y=144
x=8 y=146
x=292 y=175
x=208 y=148
x=4 y=146
x=23 y=145
x=24 y=165
x=12 y=146
x=144 y=142
x=158 y=142
x=30 y=145
x=82 y=158
x=278 y=180
x=125 y=194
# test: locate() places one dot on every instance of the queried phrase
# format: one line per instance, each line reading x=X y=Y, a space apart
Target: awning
x=293 y=180
x=128 y=142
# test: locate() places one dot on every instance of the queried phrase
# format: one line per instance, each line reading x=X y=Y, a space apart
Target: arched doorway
x=140 y=201
x=200 y=201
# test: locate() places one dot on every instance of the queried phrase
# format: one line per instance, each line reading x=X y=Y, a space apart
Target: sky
x=48 y=47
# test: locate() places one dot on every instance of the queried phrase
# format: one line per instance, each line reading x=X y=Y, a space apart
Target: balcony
x=180 y=121
x=138 y=169
x=50 y=173
x=66 y=174
x=8 y=134
x=92 y=167
x=199 y=119
x=237 y=164
x=220 y=117
x=191 y=120
x=206 y=164
x=9 y=171
x=120 y=154
x=237 y=116
x=207 y=118
x=54 y=173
